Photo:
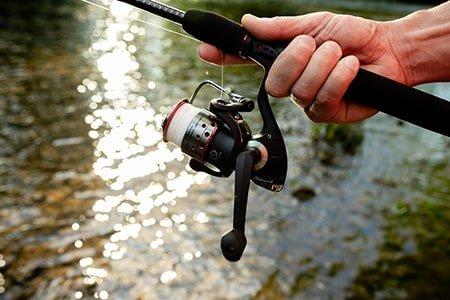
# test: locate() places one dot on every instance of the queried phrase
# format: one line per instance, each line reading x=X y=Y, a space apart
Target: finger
x=316 y=73
x=329 y=105
x=289 y=65
x=355 y=112
x=286 y=28
x=213 y=55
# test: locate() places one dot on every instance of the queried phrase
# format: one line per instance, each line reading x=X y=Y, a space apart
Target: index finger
x=286 y=28
x=213 y=55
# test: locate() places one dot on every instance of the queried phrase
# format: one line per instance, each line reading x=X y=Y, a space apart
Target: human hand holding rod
x=326 y=51
x=392 y=55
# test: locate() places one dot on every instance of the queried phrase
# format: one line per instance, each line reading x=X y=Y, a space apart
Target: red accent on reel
x=170 y=116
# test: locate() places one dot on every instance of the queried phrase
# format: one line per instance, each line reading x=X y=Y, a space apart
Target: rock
x=335 y=268
x=304 y=193
x=40 y=263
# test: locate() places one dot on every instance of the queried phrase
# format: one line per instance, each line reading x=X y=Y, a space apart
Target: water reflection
x=130 y=155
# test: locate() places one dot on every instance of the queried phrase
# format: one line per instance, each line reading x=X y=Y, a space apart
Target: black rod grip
x=368 y=88
x=400 y=101
x=215 y=29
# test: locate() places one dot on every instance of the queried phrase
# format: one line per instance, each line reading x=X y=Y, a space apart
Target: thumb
x=286 y=28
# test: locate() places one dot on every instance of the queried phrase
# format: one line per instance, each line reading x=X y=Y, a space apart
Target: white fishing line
x=180 y=121
x=143 y=21
x=222 y=75
x=222 y=72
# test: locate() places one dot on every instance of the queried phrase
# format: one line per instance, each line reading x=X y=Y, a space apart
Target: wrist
x=420 y=43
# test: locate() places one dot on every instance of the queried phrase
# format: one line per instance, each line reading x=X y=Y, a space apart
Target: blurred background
x=95 y=205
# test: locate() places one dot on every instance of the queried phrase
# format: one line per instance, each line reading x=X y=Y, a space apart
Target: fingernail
x=201 y=50
x=249 y=17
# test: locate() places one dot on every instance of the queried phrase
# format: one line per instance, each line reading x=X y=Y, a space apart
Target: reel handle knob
x=234 y=241
x=233 y=244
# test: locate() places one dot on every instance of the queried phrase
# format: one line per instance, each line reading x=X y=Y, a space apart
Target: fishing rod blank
x=368 y=88
x=159 y=9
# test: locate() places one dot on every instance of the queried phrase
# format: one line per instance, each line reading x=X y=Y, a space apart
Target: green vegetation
x=332 y=140
x=414 y=259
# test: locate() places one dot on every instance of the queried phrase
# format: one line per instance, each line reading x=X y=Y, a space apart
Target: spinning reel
x=219 y=141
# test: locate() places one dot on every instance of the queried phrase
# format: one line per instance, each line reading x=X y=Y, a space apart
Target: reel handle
x=368 y=88
x=234 y=241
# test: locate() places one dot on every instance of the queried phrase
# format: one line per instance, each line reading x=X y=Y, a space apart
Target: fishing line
x=165 y=29
x=222 y=72
x=143 y=21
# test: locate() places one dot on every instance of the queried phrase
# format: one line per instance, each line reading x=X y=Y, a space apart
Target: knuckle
x=347 y=19
x=305 y=43
x=293 y=55
x=302 y=92
x=338 y=79
x=275 y=86
x=323 y=15
x=319 y=115
x=277 y=19
x=314 y=117
x=327 y=14
x=300 y=49
x=336 y=117
x=325 y=97
x=277 y=22
x=349 y=66
x=332 y=48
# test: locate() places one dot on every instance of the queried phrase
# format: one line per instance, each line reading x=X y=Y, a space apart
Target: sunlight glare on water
x=131 y=157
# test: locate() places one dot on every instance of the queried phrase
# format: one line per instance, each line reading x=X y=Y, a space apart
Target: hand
x=323 y=58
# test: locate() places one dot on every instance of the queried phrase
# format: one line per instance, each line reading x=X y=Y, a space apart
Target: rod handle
x=215 y=29
x=400 y=101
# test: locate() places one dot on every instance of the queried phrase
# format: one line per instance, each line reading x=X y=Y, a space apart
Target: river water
x=95 y=205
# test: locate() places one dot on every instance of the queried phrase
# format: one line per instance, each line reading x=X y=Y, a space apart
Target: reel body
x=219 y=141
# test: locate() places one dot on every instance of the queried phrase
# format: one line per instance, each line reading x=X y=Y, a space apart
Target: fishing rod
x=218 y=139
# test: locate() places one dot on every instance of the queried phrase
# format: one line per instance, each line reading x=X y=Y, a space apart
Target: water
x=94 y=204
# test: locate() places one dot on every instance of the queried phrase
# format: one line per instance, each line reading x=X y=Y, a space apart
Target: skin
x=326 y=51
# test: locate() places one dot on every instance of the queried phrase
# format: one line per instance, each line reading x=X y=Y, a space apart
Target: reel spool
x=219 y=141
